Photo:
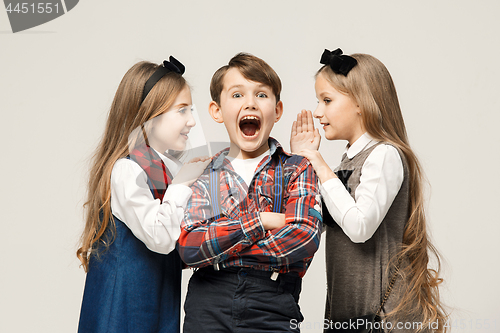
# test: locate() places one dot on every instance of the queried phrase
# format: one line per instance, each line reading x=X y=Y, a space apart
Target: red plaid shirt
x=238 y=238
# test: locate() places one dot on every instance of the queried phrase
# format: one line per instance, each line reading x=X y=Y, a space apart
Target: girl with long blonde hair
x=377 y=246
x=137 y=192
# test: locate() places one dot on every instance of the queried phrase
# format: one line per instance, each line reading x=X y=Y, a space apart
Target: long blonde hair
x=126 y=115
x=370 y=85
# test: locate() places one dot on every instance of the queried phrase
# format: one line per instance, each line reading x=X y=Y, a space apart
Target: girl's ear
x=279 y=111
x=215 y=112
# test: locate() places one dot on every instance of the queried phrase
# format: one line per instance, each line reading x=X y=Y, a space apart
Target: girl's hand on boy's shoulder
x=191 y=171
x=304 y=135
x=322 y=169
x=200 y=159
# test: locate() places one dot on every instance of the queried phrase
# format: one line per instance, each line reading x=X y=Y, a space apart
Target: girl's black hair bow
x=173 y=65
x=338 y=62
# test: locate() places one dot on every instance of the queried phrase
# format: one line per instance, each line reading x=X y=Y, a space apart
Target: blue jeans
x=241 y=300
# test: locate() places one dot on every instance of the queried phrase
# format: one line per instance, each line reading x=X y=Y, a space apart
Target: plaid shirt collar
x=220 y=161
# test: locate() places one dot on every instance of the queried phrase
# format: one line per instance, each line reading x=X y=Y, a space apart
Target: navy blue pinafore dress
x=129 y=288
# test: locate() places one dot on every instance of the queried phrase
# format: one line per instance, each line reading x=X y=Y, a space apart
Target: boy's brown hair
x=252 y=68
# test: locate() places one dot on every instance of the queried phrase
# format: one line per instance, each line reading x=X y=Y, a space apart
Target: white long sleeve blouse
x=381 y=178
x=156 y=223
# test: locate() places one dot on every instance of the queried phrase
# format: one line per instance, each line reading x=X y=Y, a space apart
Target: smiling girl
x=376 y=239
x=137 y=193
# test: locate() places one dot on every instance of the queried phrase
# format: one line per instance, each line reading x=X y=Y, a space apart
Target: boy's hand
x=191 y=171
x=303 y=135
x=272 y=220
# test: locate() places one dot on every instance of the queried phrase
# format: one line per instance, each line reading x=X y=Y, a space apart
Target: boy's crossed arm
x=204 y=242
x=299 y=238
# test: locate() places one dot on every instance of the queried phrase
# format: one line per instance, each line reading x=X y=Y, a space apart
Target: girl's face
x=337 y=112
x=170 y=129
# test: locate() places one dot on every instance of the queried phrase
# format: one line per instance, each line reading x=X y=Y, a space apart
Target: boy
x=253 y=222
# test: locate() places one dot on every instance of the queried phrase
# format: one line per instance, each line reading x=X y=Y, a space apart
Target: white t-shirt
x=246 y=167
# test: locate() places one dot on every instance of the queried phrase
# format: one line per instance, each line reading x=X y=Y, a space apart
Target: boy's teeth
x=249 y=125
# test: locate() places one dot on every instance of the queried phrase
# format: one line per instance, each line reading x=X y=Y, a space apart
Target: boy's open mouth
x=249 y=125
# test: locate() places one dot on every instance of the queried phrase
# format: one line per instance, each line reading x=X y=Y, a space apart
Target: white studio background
x=57 y=82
